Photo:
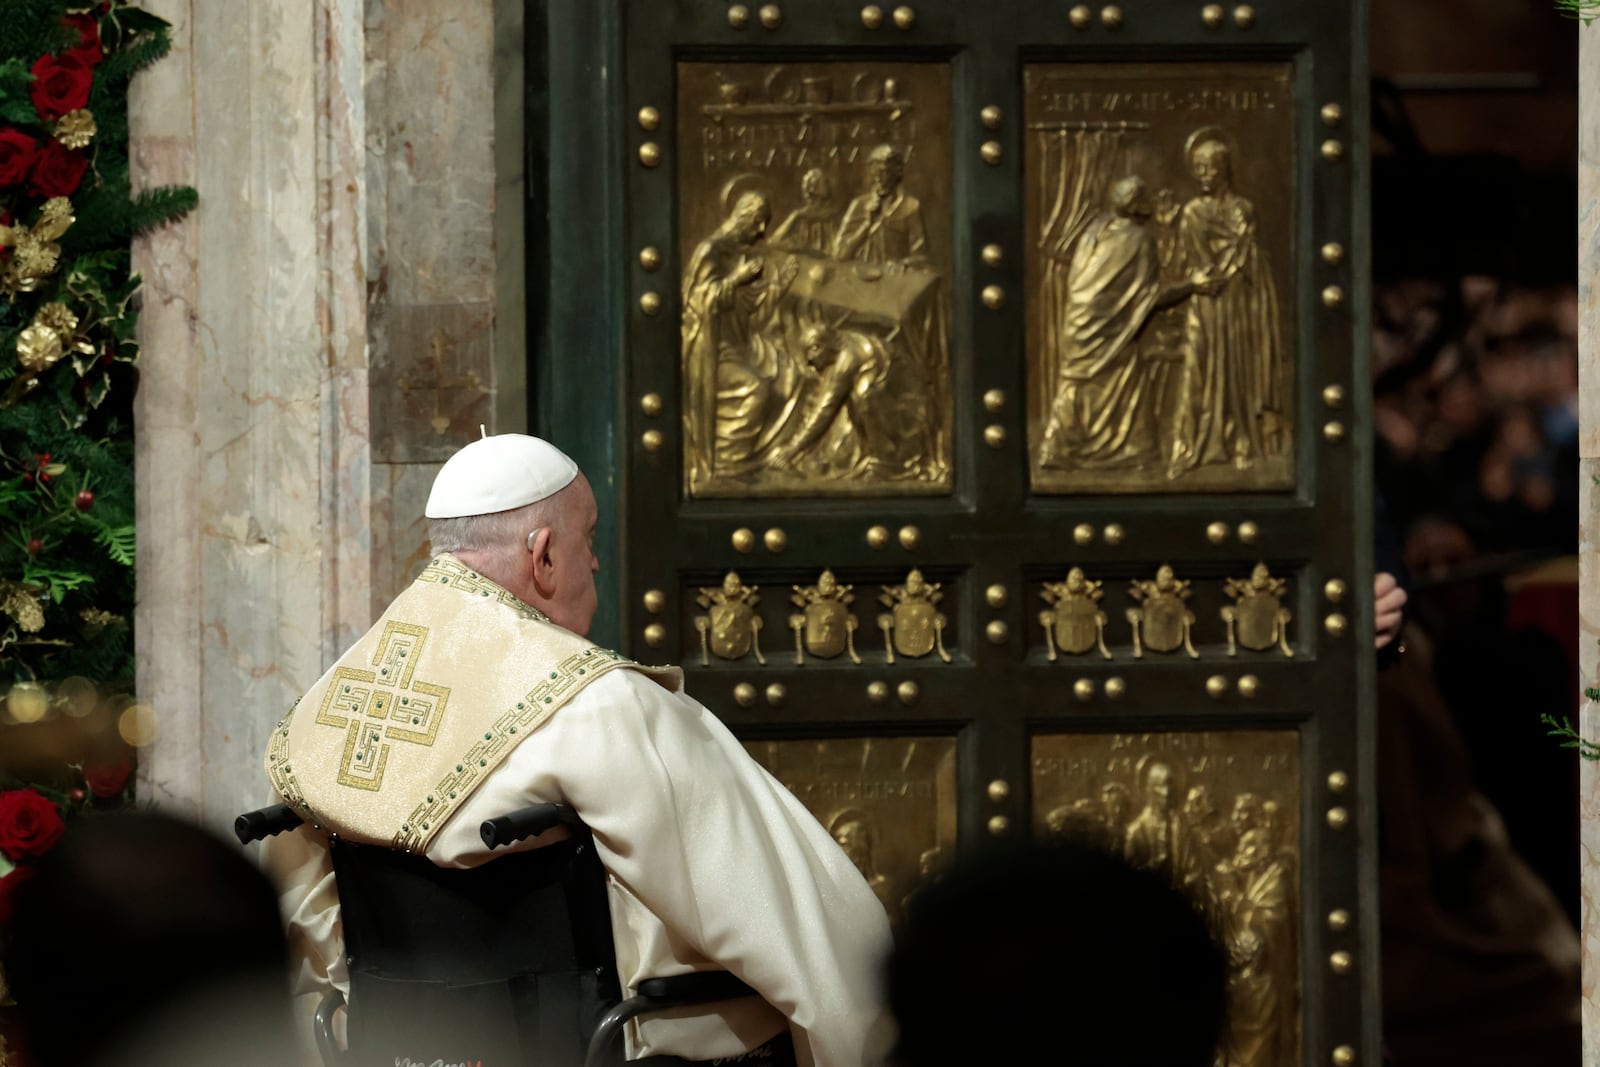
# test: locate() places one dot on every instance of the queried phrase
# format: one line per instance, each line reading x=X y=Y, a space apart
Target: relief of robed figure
x=1105 y=404
x=736 y=374
x=1231 y=400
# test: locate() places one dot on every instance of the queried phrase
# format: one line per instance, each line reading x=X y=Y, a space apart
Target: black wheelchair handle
x=697 y=987
x=265 y=822
x=661 y=994
x=527 y=822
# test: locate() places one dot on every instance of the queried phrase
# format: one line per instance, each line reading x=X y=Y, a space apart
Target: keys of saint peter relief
x=1074 y=623
x=825 y=625
x=1162 y=622
x=730 y=628
x=913 y=626
x=1257 y=618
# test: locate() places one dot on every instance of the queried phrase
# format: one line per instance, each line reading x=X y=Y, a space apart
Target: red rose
x=88 y=49
x=60 y=84
x=17 y=153
x=8 y=888
x=29 y=824
x=107 y=779
x=59 y=170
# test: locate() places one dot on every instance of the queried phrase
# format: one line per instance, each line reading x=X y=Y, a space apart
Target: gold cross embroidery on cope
x=378 y=708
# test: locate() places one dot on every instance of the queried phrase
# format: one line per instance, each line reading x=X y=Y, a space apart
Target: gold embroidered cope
x=391 y=705
x=416 y=714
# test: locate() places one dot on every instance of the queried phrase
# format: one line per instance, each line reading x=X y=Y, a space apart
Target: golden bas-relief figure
x=889 y=802
x=1159 y=208
x=815 y=226
x=1214 y=811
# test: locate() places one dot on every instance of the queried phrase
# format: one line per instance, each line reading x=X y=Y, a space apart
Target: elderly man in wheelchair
x=501 y=845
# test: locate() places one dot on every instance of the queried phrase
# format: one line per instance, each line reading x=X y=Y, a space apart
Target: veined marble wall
x=1589 y=509
x=339 y=315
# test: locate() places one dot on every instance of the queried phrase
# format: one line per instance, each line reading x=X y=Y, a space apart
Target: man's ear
x=541 y=568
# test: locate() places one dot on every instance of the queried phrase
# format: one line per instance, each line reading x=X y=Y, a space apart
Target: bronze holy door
x=993 y=441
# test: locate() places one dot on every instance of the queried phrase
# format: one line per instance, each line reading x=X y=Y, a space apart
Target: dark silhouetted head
x=139 y=930
x=1014 y=945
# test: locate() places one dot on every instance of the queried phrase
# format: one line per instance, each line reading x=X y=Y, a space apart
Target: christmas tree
x=67 y=348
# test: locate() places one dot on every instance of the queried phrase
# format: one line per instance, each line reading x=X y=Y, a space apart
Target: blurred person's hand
x=1389 y=600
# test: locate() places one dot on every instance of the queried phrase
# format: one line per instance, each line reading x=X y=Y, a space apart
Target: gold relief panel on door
x=1217 y=813
x=1158 y=202
x=814 y=213
x=890 y=802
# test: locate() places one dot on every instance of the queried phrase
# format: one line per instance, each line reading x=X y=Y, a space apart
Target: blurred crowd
x=1476 y=417
x=1476 y=410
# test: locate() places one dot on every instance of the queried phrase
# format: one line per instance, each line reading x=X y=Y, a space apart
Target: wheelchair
x=508 y=964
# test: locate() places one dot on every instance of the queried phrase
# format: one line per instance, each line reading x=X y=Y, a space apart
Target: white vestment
x=711 y=864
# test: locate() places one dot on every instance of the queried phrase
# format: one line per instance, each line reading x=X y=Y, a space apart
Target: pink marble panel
x=439 y=132
x=432 y=380
x=400 y=533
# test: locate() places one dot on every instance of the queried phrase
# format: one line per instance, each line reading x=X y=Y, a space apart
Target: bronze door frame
x=991 y=530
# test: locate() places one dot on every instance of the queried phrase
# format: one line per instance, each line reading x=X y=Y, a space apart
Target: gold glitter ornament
x=35 y=252
x=97 y=619
x=58 y=317
x=55 y=218
x=76 y=129
x=38 y=347
x=17 y=602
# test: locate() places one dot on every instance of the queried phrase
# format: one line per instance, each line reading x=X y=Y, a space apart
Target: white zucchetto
x=499 y=473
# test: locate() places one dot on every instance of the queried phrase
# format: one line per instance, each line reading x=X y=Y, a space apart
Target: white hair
x=501 y=534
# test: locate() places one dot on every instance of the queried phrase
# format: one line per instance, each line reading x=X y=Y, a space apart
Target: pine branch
x=66 y=488
x=1587 y=10
x=121 y=66
x=113 y=218
x=56 y=581
x=16 y=107
x=1589 y=750
x=33 y=28
x=152 y=207
x=118 y=541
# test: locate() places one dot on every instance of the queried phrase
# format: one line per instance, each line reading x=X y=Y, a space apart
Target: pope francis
x=496 y=701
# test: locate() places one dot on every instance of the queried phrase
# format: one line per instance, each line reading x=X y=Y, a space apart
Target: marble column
x=1589 y=510
x=251 y=417
x=318 y=336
